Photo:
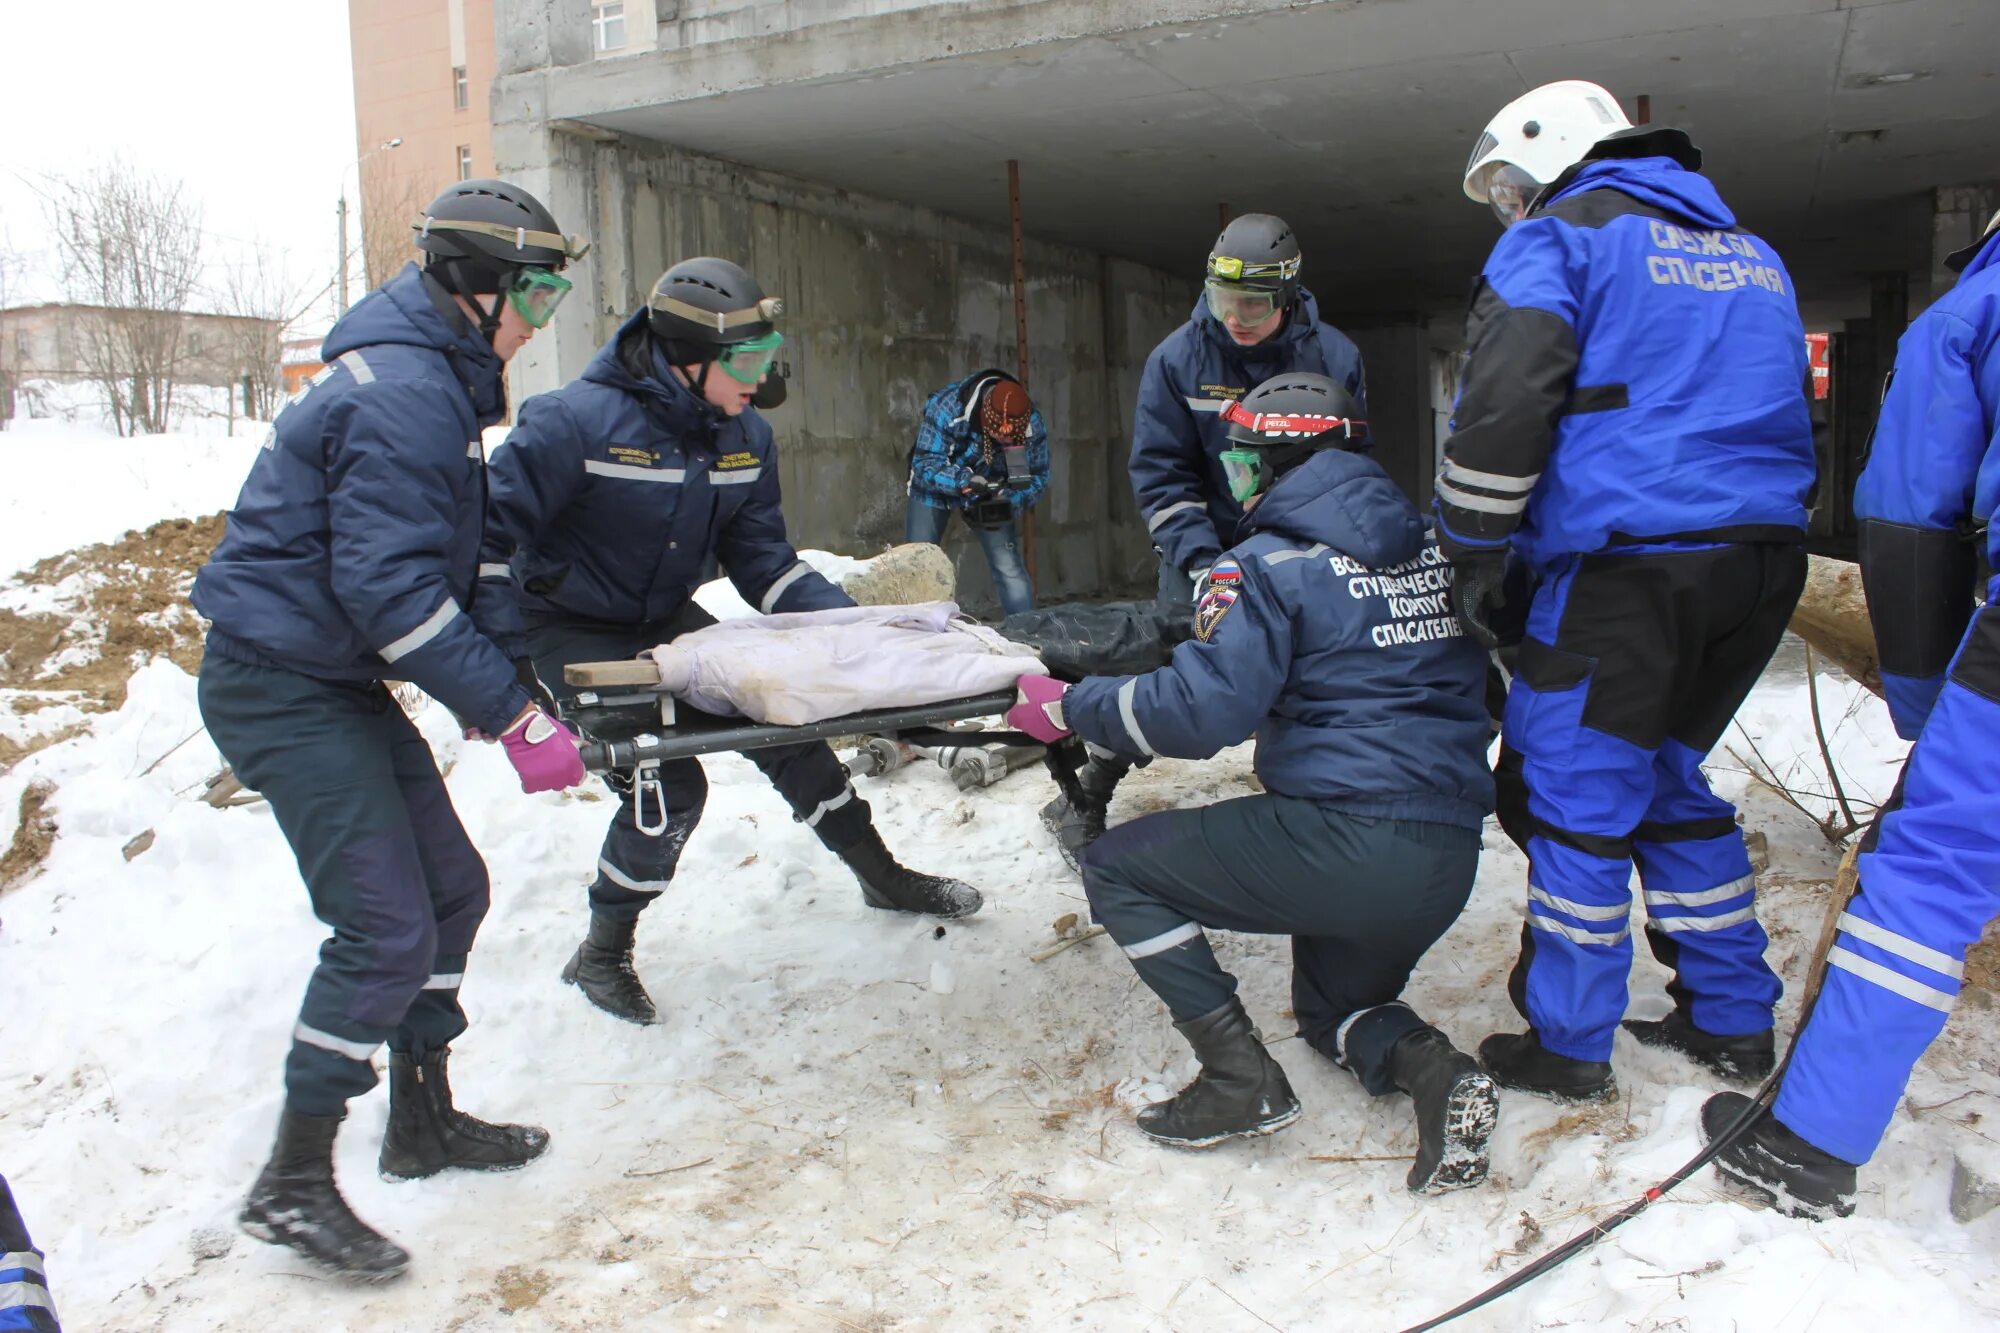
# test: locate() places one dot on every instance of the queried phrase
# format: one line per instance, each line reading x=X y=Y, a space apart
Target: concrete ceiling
x=1352 y=119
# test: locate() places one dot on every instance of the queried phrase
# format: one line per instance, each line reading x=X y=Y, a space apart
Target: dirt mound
x=73 y=627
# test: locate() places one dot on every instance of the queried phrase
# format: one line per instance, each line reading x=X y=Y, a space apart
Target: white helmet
x=1535 y=138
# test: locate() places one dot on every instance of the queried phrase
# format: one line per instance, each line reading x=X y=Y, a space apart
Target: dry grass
x=33 y=836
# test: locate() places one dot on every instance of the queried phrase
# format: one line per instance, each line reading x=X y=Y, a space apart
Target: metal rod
x=342 y=211
x=1222 y=217
x=683 y=742
x=1020 y=333
x=1645 y=109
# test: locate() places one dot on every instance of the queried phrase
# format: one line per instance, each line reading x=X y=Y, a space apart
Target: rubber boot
x=1240 y=1092
x=1075 y=829
x=1456 y=1106
x=295 y=1203
x=892 y=887
x=427 y=1133
x=1518 y=1060
x=1749 y=1057
x=1773 y=1164
x=601 y=968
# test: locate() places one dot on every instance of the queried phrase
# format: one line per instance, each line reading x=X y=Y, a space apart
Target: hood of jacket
x=410 y=311
x=1346 y=501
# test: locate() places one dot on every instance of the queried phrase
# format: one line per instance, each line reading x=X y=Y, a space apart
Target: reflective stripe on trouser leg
x=634 y=867
x=1700 y=900
x=815 y=785
x=1586 y=792
x=1169 y=952
x=1927 y=891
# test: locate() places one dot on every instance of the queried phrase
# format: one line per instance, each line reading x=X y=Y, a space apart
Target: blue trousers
x=1632 y=667
x=926 y=522
x=1362 y=898
x=1928 y=888
x=387 y=864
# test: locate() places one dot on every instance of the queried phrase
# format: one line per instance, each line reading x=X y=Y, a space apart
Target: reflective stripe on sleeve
x=1492 y=481
x=422 y=634
x=496 y=571
x=1484 y=504
x=777 y=590
x=627 y=472
x=357 y=367
x=1153 y=523
x=1125 y=693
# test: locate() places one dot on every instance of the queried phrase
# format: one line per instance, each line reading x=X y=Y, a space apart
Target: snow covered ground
x=856 y=1121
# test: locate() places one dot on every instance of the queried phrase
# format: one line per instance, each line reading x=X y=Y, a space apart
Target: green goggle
x=750 y=362
x=535 y=293
x=1243 y=469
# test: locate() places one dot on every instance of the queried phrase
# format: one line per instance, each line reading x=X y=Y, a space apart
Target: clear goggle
x=1510 y=190
x=749 y=362
x=535 y=293
x=1244 y=307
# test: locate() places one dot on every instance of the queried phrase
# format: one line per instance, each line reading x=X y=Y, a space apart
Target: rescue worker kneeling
x=1327 y=633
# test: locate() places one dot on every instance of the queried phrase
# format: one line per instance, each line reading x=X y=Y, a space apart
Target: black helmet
x=1259 y=252
x=700 y=306
x=1282 y=422
x=490 y=228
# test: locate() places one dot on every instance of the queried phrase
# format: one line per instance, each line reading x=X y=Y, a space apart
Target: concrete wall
x=886 y=303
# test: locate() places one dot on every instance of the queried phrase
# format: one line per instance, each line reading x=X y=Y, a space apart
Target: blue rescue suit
x=1931 y=881
x=1632 y=421
x=1326 y=633
x=606 y=501
x=350 y=558
x=1178 y=434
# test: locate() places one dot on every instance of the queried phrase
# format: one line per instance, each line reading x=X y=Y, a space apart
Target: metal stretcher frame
x=618 y=693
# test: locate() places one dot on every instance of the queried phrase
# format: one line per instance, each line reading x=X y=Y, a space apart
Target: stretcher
x=628 y=722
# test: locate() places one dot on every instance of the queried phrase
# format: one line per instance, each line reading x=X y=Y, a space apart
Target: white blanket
x=810 y=665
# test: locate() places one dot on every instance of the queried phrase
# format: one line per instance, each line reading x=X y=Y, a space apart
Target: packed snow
x=850 y=1120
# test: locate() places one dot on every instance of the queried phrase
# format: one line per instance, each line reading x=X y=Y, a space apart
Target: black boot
x=427 y=1133
x=896 y=888
x=1240 y=1092
x=1770 y=1162
x=296 y=1203
x=1076 y=828
x=1750 y=1056
x=1456 y=1105
x=601 y=968
x=1520 y=1061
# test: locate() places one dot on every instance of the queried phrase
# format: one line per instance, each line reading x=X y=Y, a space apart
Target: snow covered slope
x=856 y=1121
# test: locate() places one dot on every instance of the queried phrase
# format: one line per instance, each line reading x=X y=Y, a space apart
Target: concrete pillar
x=1398 y=362
x=540 y=34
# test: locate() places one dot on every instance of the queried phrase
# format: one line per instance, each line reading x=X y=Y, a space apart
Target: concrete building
x=853 y=153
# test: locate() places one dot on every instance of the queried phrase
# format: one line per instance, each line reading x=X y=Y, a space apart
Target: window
x=607 y=23
x=460 y=96
x=465 y=161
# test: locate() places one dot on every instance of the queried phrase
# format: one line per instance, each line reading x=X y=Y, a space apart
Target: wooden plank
x=638 y=671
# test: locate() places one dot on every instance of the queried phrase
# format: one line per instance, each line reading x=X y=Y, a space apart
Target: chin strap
x=489 y=321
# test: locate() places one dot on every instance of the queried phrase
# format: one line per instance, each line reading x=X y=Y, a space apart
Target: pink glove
x=543 y=751
x=1037 y=708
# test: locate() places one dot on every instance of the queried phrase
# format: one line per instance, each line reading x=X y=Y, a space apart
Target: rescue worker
x=350 y=559
x=982 y=452
x=1930 y=880
x=1632 y=424
x=25 y=1306
x=605 y=501
x=1255 y=320
x=1327 y=633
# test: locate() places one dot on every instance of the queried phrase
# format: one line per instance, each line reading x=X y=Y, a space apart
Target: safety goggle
x=749 y=362
x=1510 y=190
x=1243 y=469
x=535 y=293
x=1243 y=306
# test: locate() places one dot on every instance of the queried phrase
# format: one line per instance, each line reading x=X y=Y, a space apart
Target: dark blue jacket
x=1328 y=633
x=950 y=448
x=352 y=551
x=1933 y=473
x=610 y=493
x=1178 y=438
x=1637 y=371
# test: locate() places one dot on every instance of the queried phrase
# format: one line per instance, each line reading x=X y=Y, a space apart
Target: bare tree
x=389 y=204
x=128 y=243
x=259 y=291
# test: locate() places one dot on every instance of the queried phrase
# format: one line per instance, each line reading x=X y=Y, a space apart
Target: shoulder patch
x=1215 y=604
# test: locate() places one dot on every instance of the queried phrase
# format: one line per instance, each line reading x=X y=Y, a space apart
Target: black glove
x=524 y=671
x=1477 y=589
